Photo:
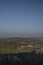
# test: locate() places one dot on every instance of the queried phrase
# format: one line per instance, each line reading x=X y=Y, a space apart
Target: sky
x=21 y=18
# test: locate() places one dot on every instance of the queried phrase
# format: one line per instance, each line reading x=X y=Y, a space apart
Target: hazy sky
x=21 y=18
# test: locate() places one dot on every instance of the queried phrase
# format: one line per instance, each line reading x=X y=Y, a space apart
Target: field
x=21 y=45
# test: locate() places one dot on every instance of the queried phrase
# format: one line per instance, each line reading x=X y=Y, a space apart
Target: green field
x=16 y=47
